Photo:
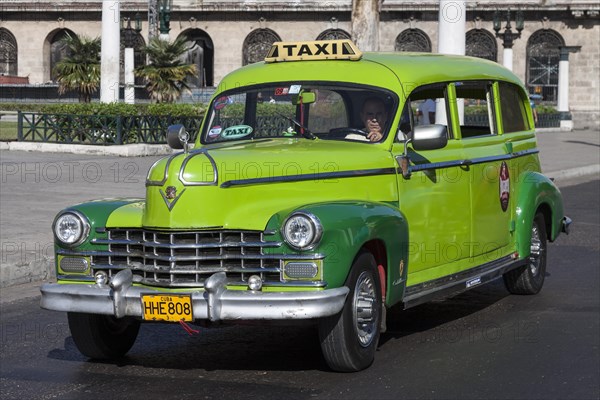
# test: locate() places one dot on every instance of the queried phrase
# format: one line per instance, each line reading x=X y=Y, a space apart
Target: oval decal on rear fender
x=504 y=186
x=237 y=131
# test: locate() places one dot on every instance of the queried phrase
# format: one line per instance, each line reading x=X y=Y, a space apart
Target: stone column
x=109 y=55
x=365 y=24
x=129 y=95
x=566 y=121
x=451 y=40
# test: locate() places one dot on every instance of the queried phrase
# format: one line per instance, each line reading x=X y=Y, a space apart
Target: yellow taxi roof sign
x=342 y=49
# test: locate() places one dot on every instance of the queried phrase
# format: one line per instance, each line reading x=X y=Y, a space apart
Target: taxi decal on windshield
x=236 y=132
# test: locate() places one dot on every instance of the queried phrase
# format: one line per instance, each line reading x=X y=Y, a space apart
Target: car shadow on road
x=266 y=347
x=237 y=347
x=582 y=142
x=426 y=317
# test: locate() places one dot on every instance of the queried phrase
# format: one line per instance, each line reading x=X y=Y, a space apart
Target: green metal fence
x=116 y=129
x=544 y=120
x=548 y=121
x=99 y=129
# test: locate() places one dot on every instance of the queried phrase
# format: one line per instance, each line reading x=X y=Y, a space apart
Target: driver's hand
x=374 y=129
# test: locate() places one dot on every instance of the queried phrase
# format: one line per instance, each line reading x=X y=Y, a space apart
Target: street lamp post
x=508 y=36
x=129 y=38
x=164 y=18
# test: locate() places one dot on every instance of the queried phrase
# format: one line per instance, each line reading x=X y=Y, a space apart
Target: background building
x=224 y=35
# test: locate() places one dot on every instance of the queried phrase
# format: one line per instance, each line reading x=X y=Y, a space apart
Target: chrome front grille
x=186 y=259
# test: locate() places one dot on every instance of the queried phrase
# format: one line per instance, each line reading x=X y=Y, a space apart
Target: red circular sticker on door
x=504 y=186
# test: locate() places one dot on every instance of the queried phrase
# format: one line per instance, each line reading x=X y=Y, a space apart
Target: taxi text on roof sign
x=343 y=49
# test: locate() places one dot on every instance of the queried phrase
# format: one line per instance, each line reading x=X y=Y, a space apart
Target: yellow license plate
x=167 y=307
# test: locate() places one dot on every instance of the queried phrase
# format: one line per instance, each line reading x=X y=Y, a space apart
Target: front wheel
x=349 y=339
x=529 y=278
x=103 y=336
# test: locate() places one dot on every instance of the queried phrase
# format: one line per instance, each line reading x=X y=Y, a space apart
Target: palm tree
x=165 y=74
x=80 y=69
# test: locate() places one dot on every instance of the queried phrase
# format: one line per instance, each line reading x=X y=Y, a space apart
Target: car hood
x=242 y=185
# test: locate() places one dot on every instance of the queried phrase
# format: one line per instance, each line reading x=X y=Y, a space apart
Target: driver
x=374 y=117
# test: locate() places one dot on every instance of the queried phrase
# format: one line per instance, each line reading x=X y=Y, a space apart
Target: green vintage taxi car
x=325 y=185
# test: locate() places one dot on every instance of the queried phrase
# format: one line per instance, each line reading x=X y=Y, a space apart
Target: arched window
x=58 y=50
x=481 y=43
x=138 y=43
x=201 y=52
x=257 y=44
x=413 y=40
x=8 y=53
x=333 y=34
x=543 y=55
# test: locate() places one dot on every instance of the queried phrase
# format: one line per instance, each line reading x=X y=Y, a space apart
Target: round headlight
x=302 y=230
x=71 y=228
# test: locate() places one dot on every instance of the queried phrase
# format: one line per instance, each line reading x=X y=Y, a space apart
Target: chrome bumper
x=120 y=298
x=565 y=224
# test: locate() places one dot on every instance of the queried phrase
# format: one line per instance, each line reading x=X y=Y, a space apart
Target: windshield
x=300 y=109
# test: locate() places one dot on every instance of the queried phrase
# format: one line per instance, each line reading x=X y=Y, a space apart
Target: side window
x=478 y=117
x=423 y=108
x=512 y=106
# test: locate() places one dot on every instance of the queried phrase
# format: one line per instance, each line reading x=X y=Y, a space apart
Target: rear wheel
x=103 y=336
x=349 y=339
x=529 y=278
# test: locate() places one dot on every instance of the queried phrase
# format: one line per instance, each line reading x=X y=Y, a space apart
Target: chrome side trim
x=216 y=303
x=309 y=177
x=467 y=162
x=452 y=285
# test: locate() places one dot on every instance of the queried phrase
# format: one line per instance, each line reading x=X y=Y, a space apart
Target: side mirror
x=430 y=137
x=177 y=137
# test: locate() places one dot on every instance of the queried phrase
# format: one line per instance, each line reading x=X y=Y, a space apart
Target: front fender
x=347 y=228
x=536 y=192
x=99 y=212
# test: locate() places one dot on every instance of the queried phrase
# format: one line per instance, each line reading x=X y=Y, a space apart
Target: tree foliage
x=165 y=74
x=80 y=69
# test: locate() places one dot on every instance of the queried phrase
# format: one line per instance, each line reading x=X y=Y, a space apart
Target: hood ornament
x=170 y=196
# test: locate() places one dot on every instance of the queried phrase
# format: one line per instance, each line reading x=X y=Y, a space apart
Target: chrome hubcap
x=364 y=310
x=536 y=250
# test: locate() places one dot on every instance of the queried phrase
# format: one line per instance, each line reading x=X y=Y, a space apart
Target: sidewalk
x=570 y=156
x=36 y=185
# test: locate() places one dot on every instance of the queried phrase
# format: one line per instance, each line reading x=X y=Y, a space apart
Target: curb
x=571 y=173
x=125 y=150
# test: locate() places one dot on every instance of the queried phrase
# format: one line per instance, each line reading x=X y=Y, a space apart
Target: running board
x=452 y=285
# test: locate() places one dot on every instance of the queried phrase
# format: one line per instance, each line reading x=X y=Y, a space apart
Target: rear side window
x=512 y=105
x=478 y=118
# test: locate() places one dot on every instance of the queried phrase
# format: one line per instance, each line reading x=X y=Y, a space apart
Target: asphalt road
x=484 y=344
